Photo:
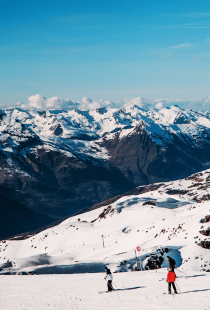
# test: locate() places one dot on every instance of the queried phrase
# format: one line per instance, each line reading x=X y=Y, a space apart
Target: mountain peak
x=130 y=147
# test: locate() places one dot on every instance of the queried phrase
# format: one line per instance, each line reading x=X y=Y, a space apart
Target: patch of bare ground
x=205 y=232
x=176 y=192
x=151 y=203
x=195 y=185
x=207 y=219
x=196 y=177
x=205 y=244
x=203 y=198
x=106 y=211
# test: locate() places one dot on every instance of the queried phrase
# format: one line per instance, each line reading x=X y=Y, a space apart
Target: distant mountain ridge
x=61 y=162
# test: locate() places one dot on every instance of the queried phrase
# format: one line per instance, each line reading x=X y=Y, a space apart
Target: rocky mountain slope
x=170 y=218
x=61 y=162
x=16 y=218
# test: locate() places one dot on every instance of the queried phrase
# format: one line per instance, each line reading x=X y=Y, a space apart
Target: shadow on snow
x=129 y=288
x=206 y=289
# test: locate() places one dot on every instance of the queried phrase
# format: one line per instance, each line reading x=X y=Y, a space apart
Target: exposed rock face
x=155 y=260
x=205 y=232
x=207 y=219
x=59 y=163
x=143 y=161
x=205 y=244
x=133 y=154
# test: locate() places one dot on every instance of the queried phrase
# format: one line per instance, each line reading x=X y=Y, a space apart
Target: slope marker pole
x=103 y=240
x=136 y=261
x=140 y=260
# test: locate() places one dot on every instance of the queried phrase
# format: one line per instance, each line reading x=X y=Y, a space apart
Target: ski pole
x=112 y=282
x=178 y=287
x=181 y=271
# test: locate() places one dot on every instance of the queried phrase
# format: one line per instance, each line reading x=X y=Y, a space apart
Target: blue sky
x=106 y=50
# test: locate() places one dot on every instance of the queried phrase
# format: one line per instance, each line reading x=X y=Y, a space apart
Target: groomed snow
x=134 y=291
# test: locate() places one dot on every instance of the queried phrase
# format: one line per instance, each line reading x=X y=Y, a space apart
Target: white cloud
x=183 y=45
x=91 y=104
x=208 y=40
x=37 y=101
x=159 y=105
x=40 y=102
x=139 y=101
x=162 y=103
x=196 y=104
x=206 y=102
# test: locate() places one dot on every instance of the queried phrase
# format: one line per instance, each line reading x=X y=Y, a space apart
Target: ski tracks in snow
x=135 y=290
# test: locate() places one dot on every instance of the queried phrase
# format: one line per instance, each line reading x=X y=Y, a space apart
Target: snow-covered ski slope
x=168 y=220
x=135 y=290
x=165 y=219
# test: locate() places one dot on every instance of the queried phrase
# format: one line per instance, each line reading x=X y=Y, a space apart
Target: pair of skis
x=101 y=292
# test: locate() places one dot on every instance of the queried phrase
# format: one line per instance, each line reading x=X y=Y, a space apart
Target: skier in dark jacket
x=109 y=279
x=171 y=277
x=171 y=263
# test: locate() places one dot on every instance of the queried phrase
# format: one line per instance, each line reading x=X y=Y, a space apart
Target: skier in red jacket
x=171 y=277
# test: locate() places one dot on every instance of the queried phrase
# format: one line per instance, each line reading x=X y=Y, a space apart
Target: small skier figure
x=171 y=263
x=109 y=279
x=171 y=277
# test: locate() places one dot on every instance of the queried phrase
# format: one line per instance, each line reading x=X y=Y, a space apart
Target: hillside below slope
x=173 y=219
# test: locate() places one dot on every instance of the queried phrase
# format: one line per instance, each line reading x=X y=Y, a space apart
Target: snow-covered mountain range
x=170 y=218
x=61 y=162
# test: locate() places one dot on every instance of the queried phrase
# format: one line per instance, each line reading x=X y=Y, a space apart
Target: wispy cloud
x=184 y=27
x=208 y=40
x=190 y=25
x=26 y=60
x=183 y=45
x=195 y=14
